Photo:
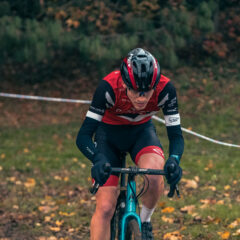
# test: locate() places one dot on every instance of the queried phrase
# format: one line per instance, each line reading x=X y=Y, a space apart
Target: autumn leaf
x=168 y=210
x=3 y=155
x=47 y=219
x=26 y=150
x=55 y=229
x=83 y=165
x=172 y=236
x=227 y=187
x=75 y=159
x=237 y=233
x=57 y=178
x=59 y=223
x=30 y=183
x=167 y=219
x=47 y=209
x=187 y=209
x=224 y=235
x=190 y=183
x=234 y=224
x=66 y=214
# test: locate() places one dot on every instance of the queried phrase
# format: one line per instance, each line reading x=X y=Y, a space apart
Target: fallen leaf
x=30 y=183
x=26 y=150
x=197 y=178
x=207 y=202
x=237 y=233
x=66 y=214
x=57 y=178
x=47 y=209
x=190 y=183
x=187 y=209
x=234 y=223
x=167 y=219
x=47 y=219
x=55 y=229
x=66 y=179
x=213 y=188
x=172 y=236
x=224 y=235
x=83 y=165
x=227 y=187
x=220 y=202
x=168 y=210
x=3 y=155
x=59 y=223
x=75 y=159
x=162 y=204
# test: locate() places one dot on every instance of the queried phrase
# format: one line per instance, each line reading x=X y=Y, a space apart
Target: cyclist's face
x=139 y=99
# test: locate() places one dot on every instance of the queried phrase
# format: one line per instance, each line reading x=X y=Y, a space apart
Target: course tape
x=51 y=99
x=10 y=95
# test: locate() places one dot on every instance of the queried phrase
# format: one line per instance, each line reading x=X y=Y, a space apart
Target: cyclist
x=120 y=117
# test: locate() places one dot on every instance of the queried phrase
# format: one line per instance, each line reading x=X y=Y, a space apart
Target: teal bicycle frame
x=131 y=205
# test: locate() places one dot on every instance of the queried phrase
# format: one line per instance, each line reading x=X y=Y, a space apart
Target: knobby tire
x=133 y=231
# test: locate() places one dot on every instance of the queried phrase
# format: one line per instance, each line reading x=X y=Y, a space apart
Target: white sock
x=146 y=214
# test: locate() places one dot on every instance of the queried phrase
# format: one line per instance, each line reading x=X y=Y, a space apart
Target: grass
x=44 y=179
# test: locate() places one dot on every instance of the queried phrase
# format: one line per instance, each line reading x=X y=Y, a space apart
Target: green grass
x=44 y=179
x=48 y=155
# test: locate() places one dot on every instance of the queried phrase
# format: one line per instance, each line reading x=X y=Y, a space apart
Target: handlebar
x=140 y=171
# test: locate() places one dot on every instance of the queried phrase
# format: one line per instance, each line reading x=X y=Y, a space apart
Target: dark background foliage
x=45 y=39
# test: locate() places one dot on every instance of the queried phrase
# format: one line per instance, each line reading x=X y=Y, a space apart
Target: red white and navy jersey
x=111 y=104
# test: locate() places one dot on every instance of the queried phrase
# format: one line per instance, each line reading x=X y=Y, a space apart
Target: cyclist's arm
x=169 y=104
x=103 y=98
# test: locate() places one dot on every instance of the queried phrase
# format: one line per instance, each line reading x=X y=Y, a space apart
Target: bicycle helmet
x=140 y=70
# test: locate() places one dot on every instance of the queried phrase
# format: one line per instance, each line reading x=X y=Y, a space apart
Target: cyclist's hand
x=173 y=170
x=101 y=169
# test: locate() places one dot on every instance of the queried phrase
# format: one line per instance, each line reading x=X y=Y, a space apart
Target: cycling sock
x=146 y=214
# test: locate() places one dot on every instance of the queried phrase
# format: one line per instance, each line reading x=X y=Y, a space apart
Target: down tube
x=130 y=211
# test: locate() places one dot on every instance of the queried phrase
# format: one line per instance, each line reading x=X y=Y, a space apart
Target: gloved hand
x=173 y=170
x=101 y=169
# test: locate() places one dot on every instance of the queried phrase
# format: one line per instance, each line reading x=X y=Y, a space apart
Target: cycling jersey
x=112 y=106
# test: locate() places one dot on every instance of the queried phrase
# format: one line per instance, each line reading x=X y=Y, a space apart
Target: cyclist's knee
x=106 y=202
x=151 y=160
x=105 y=209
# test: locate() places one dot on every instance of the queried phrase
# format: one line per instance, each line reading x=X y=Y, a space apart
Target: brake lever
x=172 y=190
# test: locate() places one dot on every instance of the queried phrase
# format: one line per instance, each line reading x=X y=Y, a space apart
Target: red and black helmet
x=140 y=70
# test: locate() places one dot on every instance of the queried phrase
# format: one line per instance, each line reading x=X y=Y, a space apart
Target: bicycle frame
x=130 y=208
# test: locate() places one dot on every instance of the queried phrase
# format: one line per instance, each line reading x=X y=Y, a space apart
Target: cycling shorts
x=113 y=140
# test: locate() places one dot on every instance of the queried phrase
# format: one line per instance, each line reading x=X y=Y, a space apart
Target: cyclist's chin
x=139 y=106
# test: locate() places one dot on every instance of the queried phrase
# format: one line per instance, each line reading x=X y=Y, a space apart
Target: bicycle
x=126 y=223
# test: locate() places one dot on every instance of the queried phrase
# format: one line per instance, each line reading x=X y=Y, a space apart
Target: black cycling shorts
x=113 y=140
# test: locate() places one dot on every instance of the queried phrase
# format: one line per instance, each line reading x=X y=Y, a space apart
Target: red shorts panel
x=149 y=149
x=112 y=181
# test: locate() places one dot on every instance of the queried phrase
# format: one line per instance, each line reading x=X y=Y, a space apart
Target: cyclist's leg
x=156 y=182
x=106 y=199
x=147 y=153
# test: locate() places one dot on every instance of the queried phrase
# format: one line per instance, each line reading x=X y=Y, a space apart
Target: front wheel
x=133 y=230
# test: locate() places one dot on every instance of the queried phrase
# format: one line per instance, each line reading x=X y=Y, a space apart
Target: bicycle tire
x=133 y=230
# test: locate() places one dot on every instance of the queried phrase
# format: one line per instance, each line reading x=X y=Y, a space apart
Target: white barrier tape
x=88 y=102
x=51 y=99
x=199 y=135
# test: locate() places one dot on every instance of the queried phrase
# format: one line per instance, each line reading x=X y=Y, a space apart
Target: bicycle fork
x=131 y=205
